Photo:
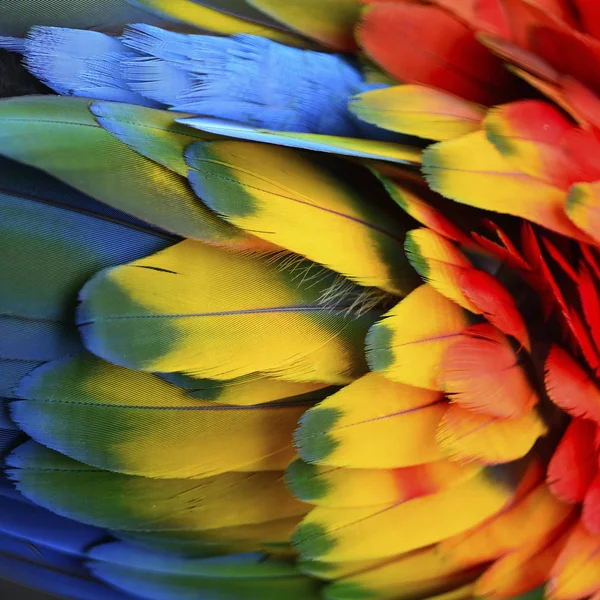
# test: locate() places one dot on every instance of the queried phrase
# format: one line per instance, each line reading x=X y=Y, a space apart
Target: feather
x=575 y=448
x=61 y=137
x=491 y=299
x=575 y=573
x=36 y=525
x=396 y=428
x=467 y=436
x=534 y=515
x=326 y=486
x=570 y=387
x=251 y=390
x=279 y=194
x=56 y=238
x=568 y=52
x=439 y=262
x=470 y=170
x=590 y=516
x=61 y=398
x=330 y=571
x=75 y=62
x=203 y=17
x=426 y=45
x=344 y=146
x=481 y=372
x=589 y=17
x=420 y=209
x=208 y=511
x=172 y=577
x=18 y=16
x=52 y=237
x=416 y=574
x=272 y=537
x=191 y=305
x=590 y=302
x=46 y=576
x=408 y=344
x=331 y=23
x=346 y=534
x=521 y=571
x=464 y=592
x=244 y=78
x=157 y=585
x=582 y=208
x=153 y=133
x=529 y=134
x=418 y=110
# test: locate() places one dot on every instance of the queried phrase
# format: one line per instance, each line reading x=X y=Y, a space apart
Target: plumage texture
x=218 y=377
x=280 y=194
x=181 y=298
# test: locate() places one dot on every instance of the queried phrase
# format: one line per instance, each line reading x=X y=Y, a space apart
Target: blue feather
x=38 y=525
x=51 y=578
x=244 y=78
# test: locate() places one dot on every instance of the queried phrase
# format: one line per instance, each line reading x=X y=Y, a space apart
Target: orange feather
x=481 y=372
x=576 y=573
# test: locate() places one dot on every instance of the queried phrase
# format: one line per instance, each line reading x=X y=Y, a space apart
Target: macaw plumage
x=300 y=299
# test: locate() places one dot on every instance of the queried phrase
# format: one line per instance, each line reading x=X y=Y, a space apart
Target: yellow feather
x=440 y=263
x=418 y=573
x=133 y=422
x=418 y=110
x=286 y=198
x=331 y=22
x=468 y=436
x=347 y=534
x=372 y=423
x=213 y=314
x=336 y=486
x=408 y=344
x=192 y=13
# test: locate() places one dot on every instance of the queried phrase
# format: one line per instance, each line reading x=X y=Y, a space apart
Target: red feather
x=574 y=464
x=590 y=302
x=496 y=304
x=424 y=44
x=590 y=517
x=569 y=52
x=570 y=387
x=589 y=16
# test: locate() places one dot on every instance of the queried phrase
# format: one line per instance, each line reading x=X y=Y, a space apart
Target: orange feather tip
x=418 y=110
x=574 y=463
x=423 y=212
x=576 y=573
x=570 y=387
x=482 y=372
x=426 y=45
x=522 y=571
x=533 y=518
x=495 y=303
x=467 y=436
x=439 y=262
